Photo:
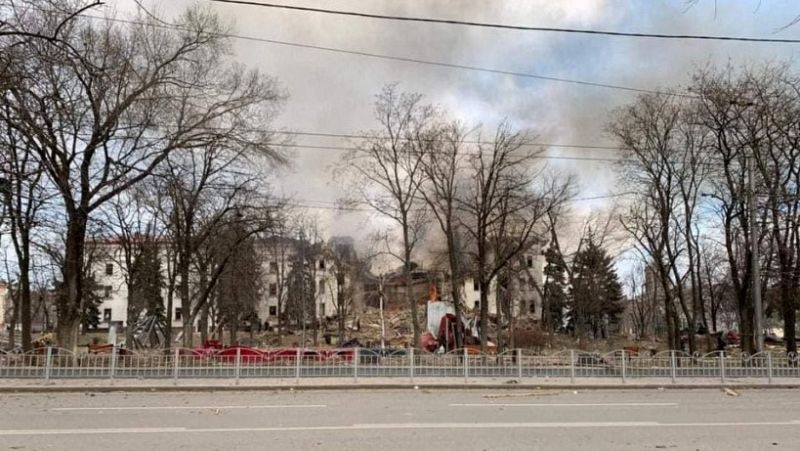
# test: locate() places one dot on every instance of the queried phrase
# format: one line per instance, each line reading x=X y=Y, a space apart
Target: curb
x=356 y=387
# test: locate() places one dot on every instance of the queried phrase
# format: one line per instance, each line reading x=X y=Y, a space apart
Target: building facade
x=523 y=288
x=277 y=258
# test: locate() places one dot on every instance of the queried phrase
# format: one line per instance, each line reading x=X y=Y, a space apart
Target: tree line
x=147 y=133
x=714 y=171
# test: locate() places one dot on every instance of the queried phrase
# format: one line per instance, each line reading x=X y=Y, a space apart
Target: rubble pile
x=399 y=331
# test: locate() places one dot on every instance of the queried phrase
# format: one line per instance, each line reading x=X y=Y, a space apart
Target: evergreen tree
x=90 y=314
x=147 y=281
x=596 y=295
x=239 y=287
x=554 y=293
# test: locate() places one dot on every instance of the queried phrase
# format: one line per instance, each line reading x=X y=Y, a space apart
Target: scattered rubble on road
x=730 y=392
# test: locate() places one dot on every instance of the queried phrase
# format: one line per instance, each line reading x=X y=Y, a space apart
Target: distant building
x=108 y=273
x=522 y=288
x=277 y=256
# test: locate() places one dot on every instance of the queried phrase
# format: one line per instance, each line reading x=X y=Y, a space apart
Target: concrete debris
x=730 y=392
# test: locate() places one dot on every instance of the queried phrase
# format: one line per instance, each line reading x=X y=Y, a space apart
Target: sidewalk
x=256 y=384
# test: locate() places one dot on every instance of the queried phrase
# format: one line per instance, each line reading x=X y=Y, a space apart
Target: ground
x=700 y=419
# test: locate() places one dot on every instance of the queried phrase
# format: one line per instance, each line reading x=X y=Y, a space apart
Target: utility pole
x=383 y=323
x=755 y=257
x=303 y=284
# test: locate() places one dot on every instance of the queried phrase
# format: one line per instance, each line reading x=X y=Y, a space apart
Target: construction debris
x=730 y=392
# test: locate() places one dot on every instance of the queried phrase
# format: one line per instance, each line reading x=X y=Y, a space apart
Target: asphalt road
x=704 y=419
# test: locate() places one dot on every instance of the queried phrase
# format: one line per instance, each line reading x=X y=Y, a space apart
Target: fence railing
x=241 y=363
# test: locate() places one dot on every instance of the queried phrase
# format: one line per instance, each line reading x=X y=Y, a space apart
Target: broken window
x=273 y=289
x=107 y=291
x=273 y=267
x=273 y=310
x=107 y=315
x=322 y=264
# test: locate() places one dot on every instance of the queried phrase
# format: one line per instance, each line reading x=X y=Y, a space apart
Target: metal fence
x=239 y=363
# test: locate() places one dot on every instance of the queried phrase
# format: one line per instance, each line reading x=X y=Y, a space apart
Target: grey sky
x=332 y=92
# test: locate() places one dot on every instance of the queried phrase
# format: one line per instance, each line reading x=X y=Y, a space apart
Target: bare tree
x=736 y=123
x=132 y=229
x=386 y=173
x=642 y=306
x=100 y=132
x=208 y=189
x=666 y=166
x=280 y=245
x=503 y=207
x=347 y=271
x=24 y=195
x=441 y=190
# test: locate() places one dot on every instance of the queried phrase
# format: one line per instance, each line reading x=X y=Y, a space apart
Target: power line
x=509 y=27
x=405 y=59
x=536 y=157
x=328 y=205
x=361 y=136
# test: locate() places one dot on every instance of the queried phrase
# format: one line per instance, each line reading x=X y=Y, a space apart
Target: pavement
x=344 y=383
x=481 y=419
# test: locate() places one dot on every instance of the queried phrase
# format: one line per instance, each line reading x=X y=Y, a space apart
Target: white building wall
x=277 y=265
x=109 y=274
x=526 y=293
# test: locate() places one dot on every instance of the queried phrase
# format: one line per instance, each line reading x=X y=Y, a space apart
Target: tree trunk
x=233 y=338
x=410 y=301
x=168 y=327
x=186 y=301
x=203 y=324
x=131 y=318
x=13 y=321
x=24 y=293
x=746 y=313
x=455 y=284
x=188 y=329
x=341 y=311
x=788 y=307
x=69 y=302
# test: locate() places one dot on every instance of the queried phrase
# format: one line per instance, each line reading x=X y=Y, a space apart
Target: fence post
x=672 y=364
x=722 y=366
x=411 y=363
x=769 y=366
x=113 y=367
x=48 y=363
x=466 y=365
x=176 y=365
x=623 y=366
x=356 y=359
x=238 y=370
x=297 y=367
x=519 y=364
x=572 y=366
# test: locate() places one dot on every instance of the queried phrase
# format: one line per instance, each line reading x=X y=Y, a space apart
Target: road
x=705 y=419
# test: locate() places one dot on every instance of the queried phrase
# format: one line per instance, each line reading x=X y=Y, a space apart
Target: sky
x=334 y=92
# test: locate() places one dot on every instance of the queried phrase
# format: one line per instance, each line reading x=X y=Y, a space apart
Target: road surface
x=706 y=419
